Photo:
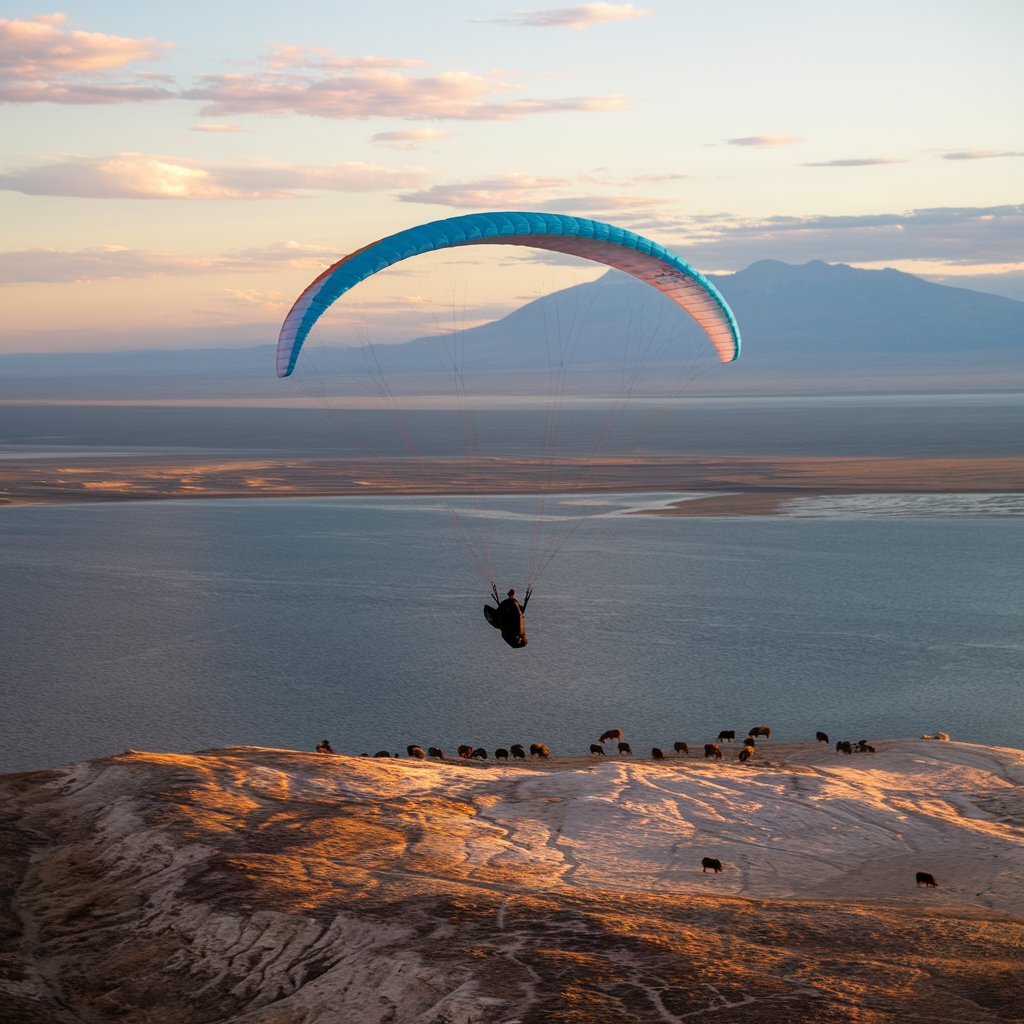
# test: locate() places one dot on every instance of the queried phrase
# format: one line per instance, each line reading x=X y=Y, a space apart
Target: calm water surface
x=187 y=625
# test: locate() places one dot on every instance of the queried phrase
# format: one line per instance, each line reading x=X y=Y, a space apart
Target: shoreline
x=730 y=485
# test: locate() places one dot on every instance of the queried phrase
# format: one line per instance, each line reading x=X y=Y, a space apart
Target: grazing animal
x=596 y=748
x=680 y=748
x=324 y=747
x=539 y=750
x=657 y=754
x=844 y=747
x=465 y=751
x=382 y=753
x=863 y=747
x=821 y=737
x=749 y=742
x=610 y=734
x=746 y=753
x=625 y=748
x=713 y=750
x=729 y=735
x=710 y=862
x=501 y=754
x=927 y=880
x=480 y=754
x=414 y=751
x=762 y=730
x=517 y=750
x=436 y=752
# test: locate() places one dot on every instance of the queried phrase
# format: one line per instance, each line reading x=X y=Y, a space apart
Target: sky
x=172 y=176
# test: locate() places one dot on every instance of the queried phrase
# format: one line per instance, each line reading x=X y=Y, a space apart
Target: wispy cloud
x=572 y=17
x=857 y=162
x=363 y=92
x=112 y=262
x=764 y=141
x=43 y=61
x=503 y=192
x=980 y=154
x=413 y=138
x=144 y=176
x=216 y=129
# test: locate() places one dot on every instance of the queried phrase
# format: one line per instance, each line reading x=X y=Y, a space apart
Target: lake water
x=188 y=625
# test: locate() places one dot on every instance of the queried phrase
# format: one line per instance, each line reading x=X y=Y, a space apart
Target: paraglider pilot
x=508 y=617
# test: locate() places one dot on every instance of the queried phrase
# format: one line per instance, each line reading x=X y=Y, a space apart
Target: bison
x=517 y=751
x=610 y=734
x=382 y=753
x=749 y=742
x=927 y=880
x=713 y=750
x=710 y=862
x=729 y=735
x=539 y=750
x=762 y=730
x=479 y=753
x=596 y=748
x=465 y=751
x=501 y=754
x=324 y=747
x=746 y=754
x=844 y=747
x=436 y=752
x=657 y=754
x=415 y=751
x=680 y=748
x=821 y=737
x=625 y=748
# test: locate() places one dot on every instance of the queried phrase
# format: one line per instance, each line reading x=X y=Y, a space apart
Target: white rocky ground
x=253 y=885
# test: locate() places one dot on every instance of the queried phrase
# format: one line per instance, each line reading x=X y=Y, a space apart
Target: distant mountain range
x=815 y=327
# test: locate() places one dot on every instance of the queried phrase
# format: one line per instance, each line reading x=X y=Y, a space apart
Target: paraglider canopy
x=594 y=240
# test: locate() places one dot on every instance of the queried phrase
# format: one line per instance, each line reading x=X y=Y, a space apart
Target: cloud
x=857 y=162
x=979 y=154
x=112 y=262
x=216 y=129
x=573 y=17
x=141 y=176
x=956 y=237
x=42 y=61
x=764 y=141
x=289 y=56
x=362 y=92
x=413 y=138
x=506 y=191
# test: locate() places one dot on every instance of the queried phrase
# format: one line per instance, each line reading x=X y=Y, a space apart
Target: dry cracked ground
x=272 y=887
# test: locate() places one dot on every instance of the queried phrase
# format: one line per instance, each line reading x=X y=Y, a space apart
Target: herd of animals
x=711 y=750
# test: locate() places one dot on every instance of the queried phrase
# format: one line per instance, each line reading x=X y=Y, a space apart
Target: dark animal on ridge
x=324 y=747
x=382 y=753
x=657 y=754
x=710 y=862
x=436 y=752
x=713 y=750
x=864 y=747
x=480 y=754
x=762 y=730
x=821 y=737
x=746 y=754
x=596 y=748
x=465 y=750
x=749 y=742
x=501 y=754
x=415 y=751
x=625 y=748
x=611 y=734
x=729 y=735
x=517 y=750
x=844 y=747
x=539 y=750
x=927 y=880
x=680 y=748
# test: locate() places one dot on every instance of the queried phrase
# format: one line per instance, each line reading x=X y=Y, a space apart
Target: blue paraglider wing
x=603 y=243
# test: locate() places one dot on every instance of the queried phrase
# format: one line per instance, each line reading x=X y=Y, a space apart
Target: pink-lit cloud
x=573 y=17
x=504 y=191
x=379 y=91
x=144 y=176
x=858 y=162
x=764 y=141
x=216 y=129
x=413 y=138
x=43 y=61
x=289 y=56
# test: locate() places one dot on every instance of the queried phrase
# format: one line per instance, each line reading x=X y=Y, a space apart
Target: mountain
x=817 y=326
